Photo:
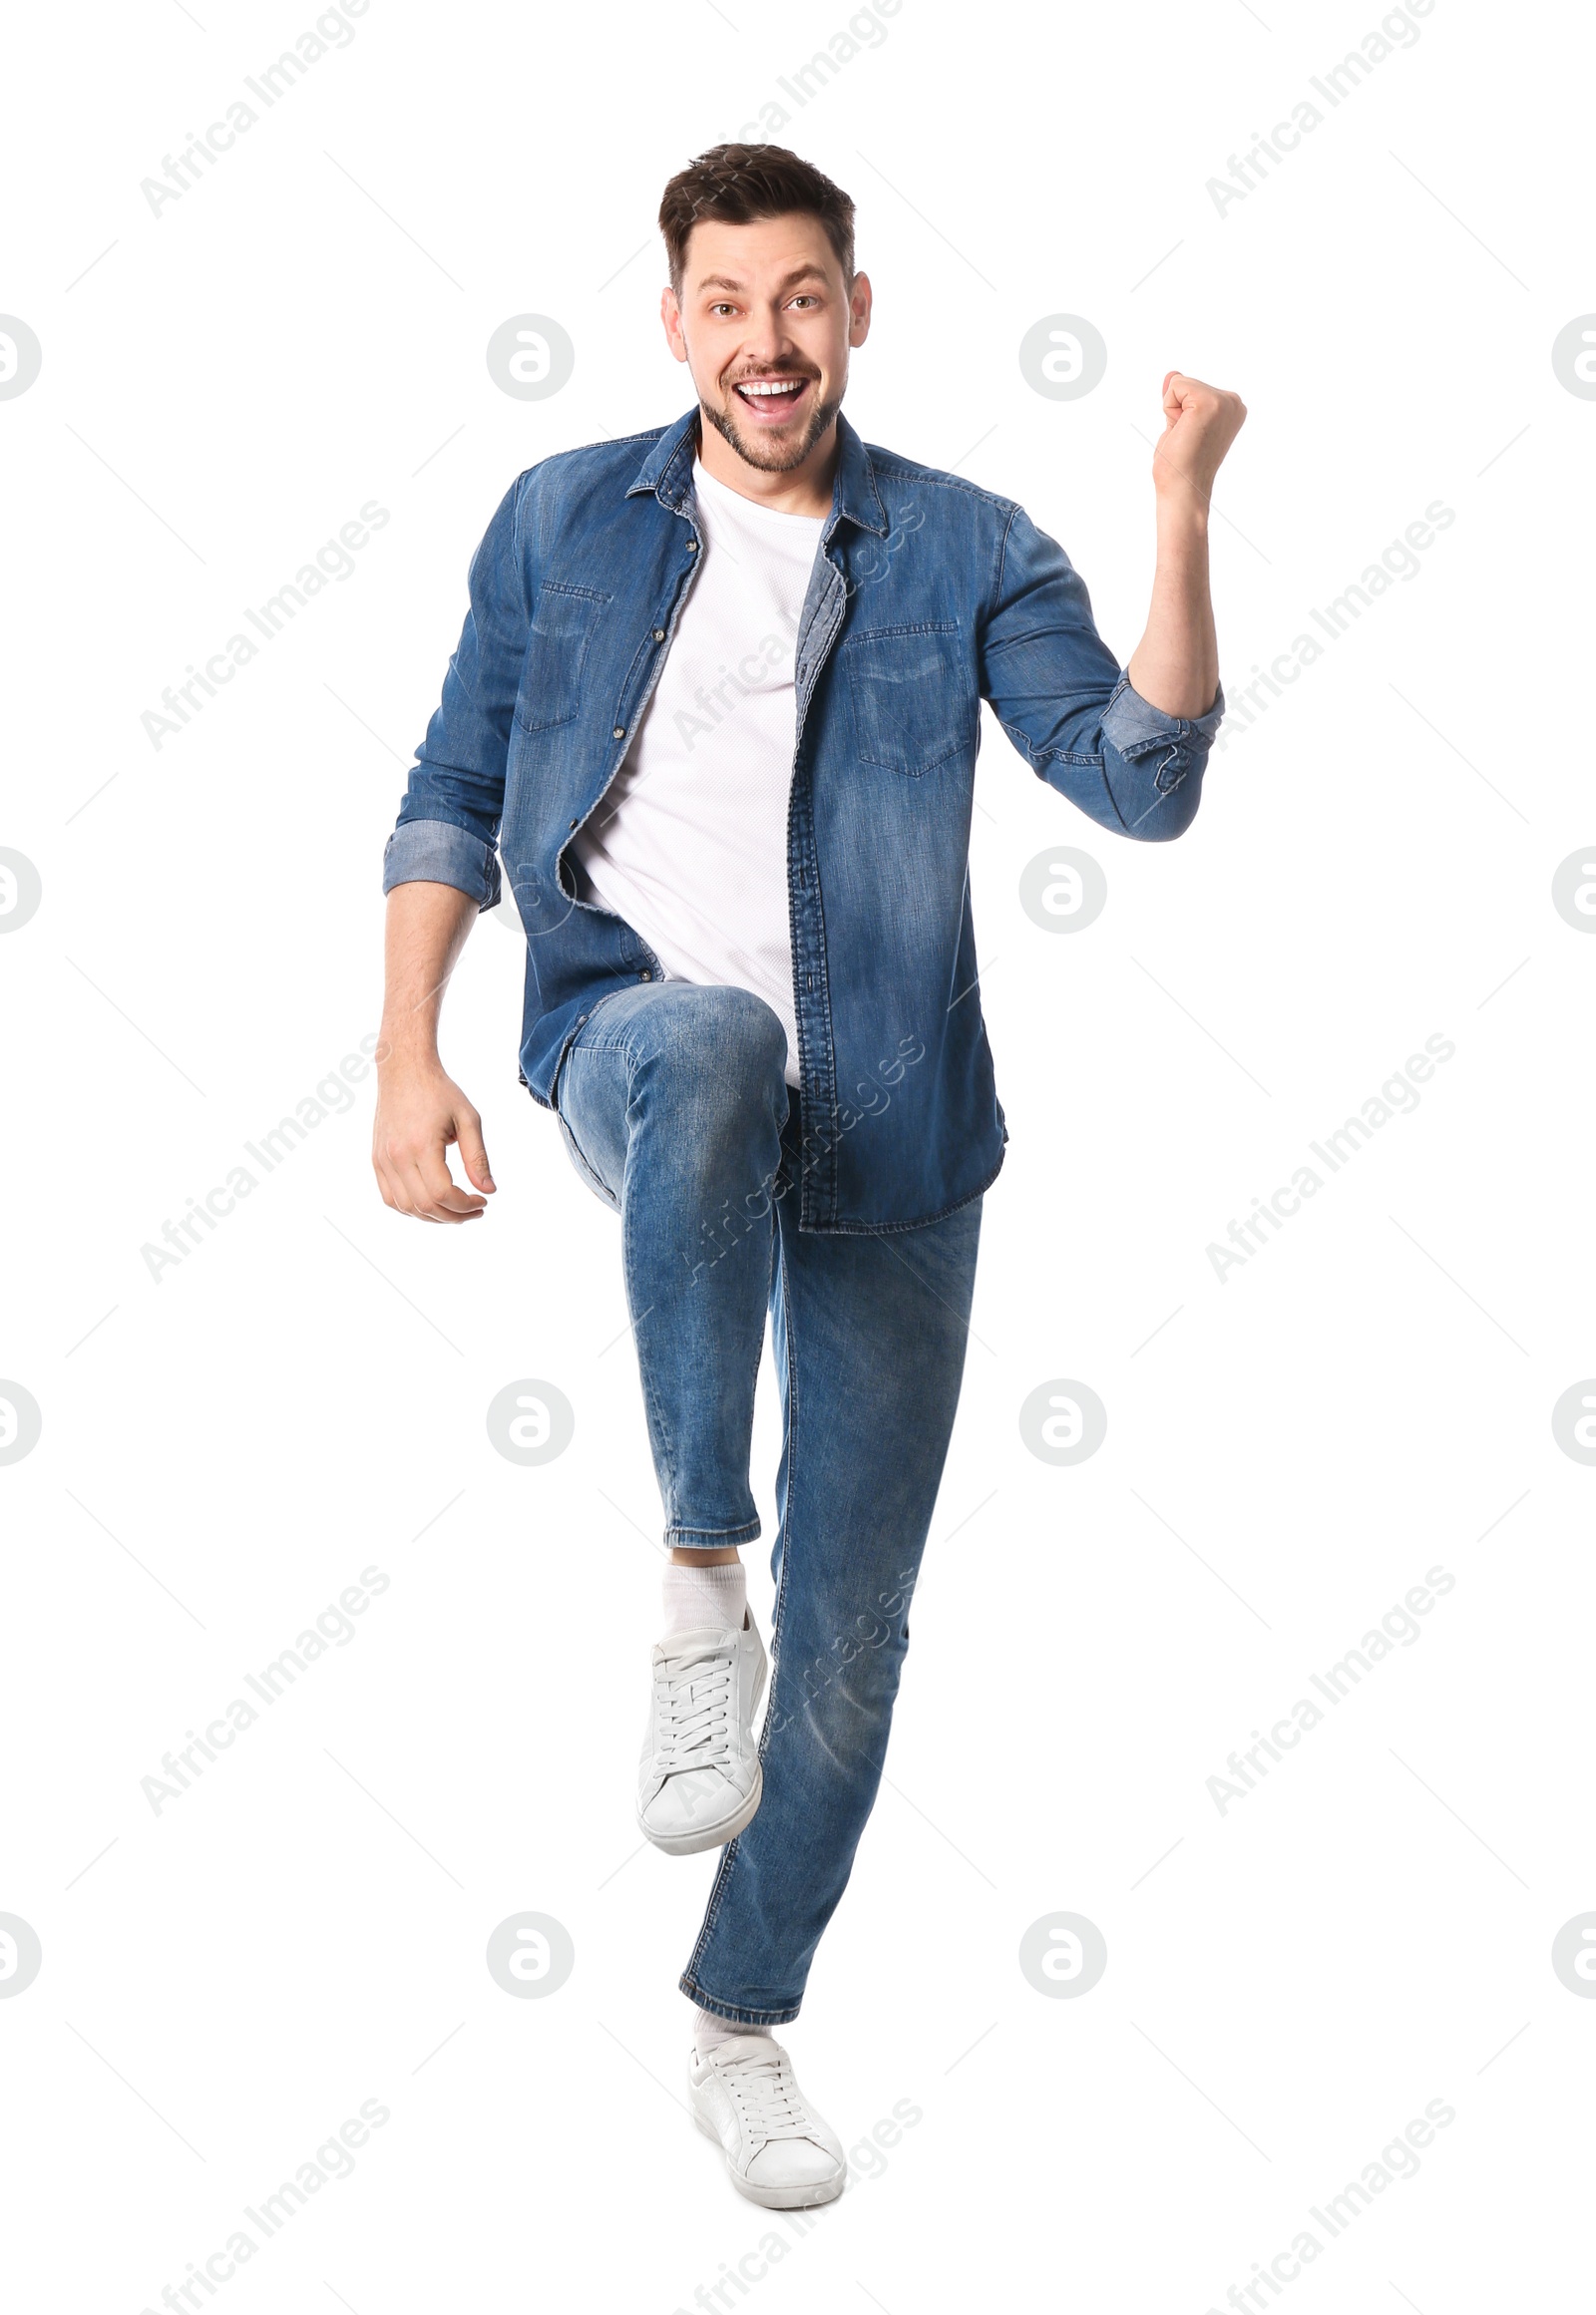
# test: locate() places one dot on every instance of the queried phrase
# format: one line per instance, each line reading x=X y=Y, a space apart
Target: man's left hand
x=1200 y=424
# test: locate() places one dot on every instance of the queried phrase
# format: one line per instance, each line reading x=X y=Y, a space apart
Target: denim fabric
x=675 y=1113
x=672 y=1104
x=927 y=595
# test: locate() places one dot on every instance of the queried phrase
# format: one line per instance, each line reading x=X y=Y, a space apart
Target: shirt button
x=693 y=546
x=573 y=823
x=581 y=1018
x=619 y=731
x=645 y=977
x=660 y=635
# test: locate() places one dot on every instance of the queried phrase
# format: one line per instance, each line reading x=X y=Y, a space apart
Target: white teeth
x=773 y=386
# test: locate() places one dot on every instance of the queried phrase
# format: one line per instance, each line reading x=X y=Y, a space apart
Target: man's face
x=765 y=306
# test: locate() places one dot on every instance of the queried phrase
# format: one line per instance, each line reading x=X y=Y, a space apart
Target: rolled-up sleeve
x=1069 y=707
x=439 y=852
x=448 y=823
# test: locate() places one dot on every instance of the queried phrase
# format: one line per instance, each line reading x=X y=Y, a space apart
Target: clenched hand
x=1200 y=424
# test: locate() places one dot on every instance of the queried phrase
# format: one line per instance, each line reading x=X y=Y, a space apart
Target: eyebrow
x=725 y=281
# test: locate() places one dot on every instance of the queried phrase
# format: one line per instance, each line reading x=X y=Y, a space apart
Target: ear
x=671 y=320
x=859 y=310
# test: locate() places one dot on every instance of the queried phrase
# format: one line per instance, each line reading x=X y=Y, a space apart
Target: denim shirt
x=928 y=597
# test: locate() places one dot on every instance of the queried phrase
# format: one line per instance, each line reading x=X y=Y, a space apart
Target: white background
x=1289 y=1982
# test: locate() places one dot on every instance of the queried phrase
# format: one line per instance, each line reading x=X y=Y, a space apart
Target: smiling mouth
x=771 y=401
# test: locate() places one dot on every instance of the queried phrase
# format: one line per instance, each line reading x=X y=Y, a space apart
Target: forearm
x=427 y=927
x=1175 y=666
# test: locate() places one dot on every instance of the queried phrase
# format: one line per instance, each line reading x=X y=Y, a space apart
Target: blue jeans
x=675 y=1112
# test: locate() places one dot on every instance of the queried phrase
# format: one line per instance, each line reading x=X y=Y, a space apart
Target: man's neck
x=799 y=489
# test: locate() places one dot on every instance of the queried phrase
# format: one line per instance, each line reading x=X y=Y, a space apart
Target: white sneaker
x=700 y=1781
x=778 y=2151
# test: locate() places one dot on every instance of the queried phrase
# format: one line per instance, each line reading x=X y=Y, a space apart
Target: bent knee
x=730 y=1034
x=746 y=1024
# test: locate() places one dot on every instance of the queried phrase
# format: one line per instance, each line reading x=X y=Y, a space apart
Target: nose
x=770 y=344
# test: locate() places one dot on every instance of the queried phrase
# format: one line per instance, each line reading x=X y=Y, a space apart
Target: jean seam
x=743 y=2015
x=747 y=1531
x=768 y=1217
x=898 y=1229
x=728 y=1857
x=679 y=1537
x=712 y=1910
x=623 y=1051
x=586 y=1173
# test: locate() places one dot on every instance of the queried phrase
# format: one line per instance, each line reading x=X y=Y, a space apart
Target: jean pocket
x=563 y=620
x=910 y=697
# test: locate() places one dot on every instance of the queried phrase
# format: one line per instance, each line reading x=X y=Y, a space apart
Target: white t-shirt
x=689 y=846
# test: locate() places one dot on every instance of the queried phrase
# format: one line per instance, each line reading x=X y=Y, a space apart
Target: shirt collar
x=668 y=472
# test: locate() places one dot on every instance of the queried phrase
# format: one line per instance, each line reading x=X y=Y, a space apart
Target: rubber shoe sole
x=708 y=1837
x=774 y=2197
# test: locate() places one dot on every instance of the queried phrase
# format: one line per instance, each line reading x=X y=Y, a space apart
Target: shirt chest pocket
x=564 y=621
x=910 y=702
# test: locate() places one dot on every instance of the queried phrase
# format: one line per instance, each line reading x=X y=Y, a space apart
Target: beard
x=760 y=450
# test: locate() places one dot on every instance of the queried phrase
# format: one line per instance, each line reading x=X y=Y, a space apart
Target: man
x=717 y=703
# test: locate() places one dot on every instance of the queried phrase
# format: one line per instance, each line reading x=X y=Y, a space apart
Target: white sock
x=708 y=2030
x=704 y=1599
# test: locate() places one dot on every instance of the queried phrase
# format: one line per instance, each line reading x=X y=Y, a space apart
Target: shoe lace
x=768 y=2095
x=692 y=1710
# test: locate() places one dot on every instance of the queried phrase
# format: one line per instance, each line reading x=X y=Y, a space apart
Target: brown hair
x=738 y=183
